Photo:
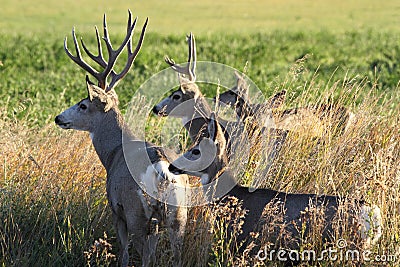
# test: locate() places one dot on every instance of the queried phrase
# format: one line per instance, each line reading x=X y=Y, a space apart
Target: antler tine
x=193 y=57
x=78 y=58
x=112 y=54
x=189 y=39
x=186 y=70
x=99 y=58
x=131 y=55
x=176 y=67
x=106 y=35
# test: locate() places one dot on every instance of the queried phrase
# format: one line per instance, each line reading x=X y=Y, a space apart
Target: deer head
x=187 y=91
x=238 y=98
x=88 y=113
x=207 y=158
x=237 y=95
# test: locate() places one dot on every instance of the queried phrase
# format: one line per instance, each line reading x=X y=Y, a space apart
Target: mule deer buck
x=189 y=104
x=134 y=212
x=368 y=218
x=313 y=119
x=195 y=112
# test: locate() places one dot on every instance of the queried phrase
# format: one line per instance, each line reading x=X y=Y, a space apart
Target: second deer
x=216 y=177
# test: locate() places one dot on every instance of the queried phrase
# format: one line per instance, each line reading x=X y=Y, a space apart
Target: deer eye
x=176 y=97
x=196 y=152
x=82 y=106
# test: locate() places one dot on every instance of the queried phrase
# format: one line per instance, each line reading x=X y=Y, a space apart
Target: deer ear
x=94 y=91
x=212 y=127
x=277 y=100
x=238 y=75
x=109 y=99
x=112 y=94
x=241 y=85
x=216 y=134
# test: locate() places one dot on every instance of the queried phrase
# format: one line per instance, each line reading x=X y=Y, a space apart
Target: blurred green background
x=177 y=17
x=343 y=40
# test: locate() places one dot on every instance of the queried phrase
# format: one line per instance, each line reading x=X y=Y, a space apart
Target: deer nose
x=172 y=168
x=57 y=119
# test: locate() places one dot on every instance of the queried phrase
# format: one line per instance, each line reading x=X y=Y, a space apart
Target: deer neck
x=244 y=109
x=225 y=183
x=201 y=109
x=107 y=139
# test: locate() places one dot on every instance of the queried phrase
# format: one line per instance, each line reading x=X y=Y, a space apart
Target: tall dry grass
x=52 y=196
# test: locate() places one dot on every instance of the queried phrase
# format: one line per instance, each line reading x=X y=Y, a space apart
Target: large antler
x=190 y=67
x=112 y=54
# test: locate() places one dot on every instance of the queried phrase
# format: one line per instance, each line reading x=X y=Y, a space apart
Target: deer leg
x=145 y=248
x=149 y=249
x=176 y=223
x=123 y=241
x=122 y=236
x=150 y=246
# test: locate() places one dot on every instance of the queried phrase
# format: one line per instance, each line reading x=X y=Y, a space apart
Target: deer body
x=142 y=165
x=256 y=202
x=368 y=217
x=316 y=119
x=312 y=120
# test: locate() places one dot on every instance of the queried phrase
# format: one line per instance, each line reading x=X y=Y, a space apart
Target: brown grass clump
x=52 y=196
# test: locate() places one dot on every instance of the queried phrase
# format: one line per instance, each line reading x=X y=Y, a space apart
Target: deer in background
x=134 y=212
x=261 y=114
x=309 y=119
x=259 y=121
x=195 y=112
x=367 y=217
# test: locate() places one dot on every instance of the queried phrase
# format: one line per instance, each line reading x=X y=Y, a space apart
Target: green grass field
x=52 y=186
x=177 y=17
